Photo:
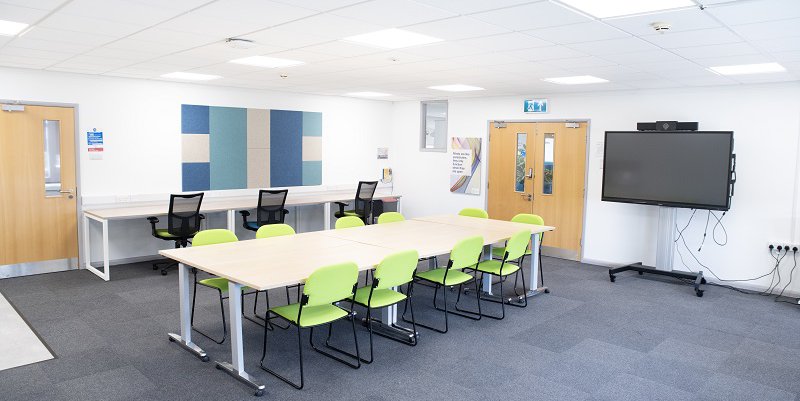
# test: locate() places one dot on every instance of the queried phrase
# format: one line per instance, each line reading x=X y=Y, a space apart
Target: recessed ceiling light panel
x=392 y=39
x=267 y=62
x=456 y=88
x=742 y=69
x=624 y=8
x=368 y=94
x=576 y=80
x=11 y=28
x=190 y=76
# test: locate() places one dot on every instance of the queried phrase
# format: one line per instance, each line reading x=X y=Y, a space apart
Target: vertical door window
x=52 y=158
x=519 y=162
x=549 y=164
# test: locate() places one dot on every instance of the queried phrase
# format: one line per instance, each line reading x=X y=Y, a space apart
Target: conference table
x=210 y=205
x=271 y=263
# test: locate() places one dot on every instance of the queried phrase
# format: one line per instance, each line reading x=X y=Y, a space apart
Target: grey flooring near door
x=636 y=339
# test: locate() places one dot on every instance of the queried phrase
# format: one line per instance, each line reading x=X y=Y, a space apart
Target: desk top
x=487 y=224
x=276 y=262
x=210 y=205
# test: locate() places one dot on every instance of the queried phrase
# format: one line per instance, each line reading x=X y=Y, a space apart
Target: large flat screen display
x=668 y=168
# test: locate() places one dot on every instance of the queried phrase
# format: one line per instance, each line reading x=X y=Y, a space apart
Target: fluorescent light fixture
x=576 y=80
x=11 y=28
x=190 y=76
x=267 y=62
x=624 y=8
x=742 y=69
x=368 y=94
x=456 y=88
x=392 y=38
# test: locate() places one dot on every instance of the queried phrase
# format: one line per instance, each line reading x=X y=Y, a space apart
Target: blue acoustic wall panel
x=286 y=148
x=312 y=172
x=312 y=123
x=196 y=176
x=194 y=119
x=228 y=147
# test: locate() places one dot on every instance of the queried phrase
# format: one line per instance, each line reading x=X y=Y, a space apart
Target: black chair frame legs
x=464 y=313
x=413 y=331
x=222 y=310
x=268 y=322
x=501 y=299
x=354 y=365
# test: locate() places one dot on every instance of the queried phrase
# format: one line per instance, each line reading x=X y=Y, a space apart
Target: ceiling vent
x=661 y=27
x=239 y=43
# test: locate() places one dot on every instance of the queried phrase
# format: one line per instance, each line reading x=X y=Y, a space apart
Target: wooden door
x=38 y=210
x=510 y=165
x=558 y=184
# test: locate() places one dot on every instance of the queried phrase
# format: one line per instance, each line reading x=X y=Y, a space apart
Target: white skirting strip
x=19 y=345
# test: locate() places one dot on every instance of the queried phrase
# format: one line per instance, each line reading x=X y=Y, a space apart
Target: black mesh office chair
x=362 y=205
x=183 y=222
x=270 y=209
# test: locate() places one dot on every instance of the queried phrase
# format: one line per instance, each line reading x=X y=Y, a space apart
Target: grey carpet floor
x=636 y=339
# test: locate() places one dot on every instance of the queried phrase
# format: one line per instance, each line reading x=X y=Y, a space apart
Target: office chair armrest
x=285 y=212
x=153 y=221
x=341 y=206
x=244 y=214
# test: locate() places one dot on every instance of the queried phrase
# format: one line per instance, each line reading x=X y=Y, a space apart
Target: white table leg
x=534 y=267
x=236 y=367
x=399 y=208
x=185 y=338
x=487 y=278
x=106 y=273
x=327 y=214
x=87 y=247
x=232 y=220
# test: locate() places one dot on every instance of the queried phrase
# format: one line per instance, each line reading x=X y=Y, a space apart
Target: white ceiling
x=505 y=46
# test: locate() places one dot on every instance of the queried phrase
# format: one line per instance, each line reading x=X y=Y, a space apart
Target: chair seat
x=380 y=297
x=252 y=225
x=347 y=213
x=163 y=233
x=500 y=251
x=312 y=315
x=454 y=277
x=493 y=267
x=217 y=282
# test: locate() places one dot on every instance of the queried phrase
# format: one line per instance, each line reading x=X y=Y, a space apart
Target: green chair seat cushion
x=493 y=267
x=454 y=277
x=217 y=282
x=163 y=233
x=500 y=251
x=380 y=297
x=312 y=315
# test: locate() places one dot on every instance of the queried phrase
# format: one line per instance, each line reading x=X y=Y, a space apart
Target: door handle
x=70 y=193
x=528 y=197
x=530 y=173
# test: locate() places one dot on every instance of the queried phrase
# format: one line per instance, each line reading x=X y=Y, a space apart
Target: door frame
x=588 y=122
x=30 y=268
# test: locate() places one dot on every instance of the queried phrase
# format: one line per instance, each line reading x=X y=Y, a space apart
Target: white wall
x=141 y=122
x=766 y=121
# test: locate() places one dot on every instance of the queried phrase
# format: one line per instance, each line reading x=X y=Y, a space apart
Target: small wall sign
x=536 y=106
x=94 y=140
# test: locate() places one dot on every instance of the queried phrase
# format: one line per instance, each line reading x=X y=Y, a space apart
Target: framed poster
x=465 y=165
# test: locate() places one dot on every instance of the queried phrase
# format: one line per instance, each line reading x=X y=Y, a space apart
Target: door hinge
x=499 y=124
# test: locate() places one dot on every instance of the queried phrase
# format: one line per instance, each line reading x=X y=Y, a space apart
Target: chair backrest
x=466 y=252
x=474 y=212
x=330 y=284
x=274 y=230
x=214 y=236
x=390 y=217
x=348 y=222
x=517 y=245
x=396 y=269
x=270 y=206
x=528 y=218
x=363 y=201
x=183 y=218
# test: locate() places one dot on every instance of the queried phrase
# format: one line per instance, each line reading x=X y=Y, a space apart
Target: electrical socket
x=783 y=244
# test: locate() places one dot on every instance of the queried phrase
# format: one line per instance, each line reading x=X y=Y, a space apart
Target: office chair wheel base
x=699 y=293
x=612 y=277
x=259 y=393
x=205 y=358
x=547 y=290
x=172 y=340
x=155 y=267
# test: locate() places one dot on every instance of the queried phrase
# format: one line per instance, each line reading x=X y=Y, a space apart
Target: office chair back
x=271 y=206
x=183 y=218
x=363 y=201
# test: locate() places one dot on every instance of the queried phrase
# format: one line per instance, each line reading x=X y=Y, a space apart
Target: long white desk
x=228 y=205
x=293 y=258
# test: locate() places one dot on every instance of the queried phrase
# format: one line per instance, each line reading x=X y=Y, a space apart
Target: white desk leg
x=87 y=246
x=106 y=256
x=236 y=367
x=185 y=338
x=327 y=213
x=106 y=273
x=487 y=278
x=534 y=266
x=232 y=220
x=399 y=208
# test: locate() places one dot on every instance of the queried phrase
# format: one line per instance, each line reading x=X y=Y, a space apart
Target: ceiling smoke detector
x=238 y=43
x=661 y=27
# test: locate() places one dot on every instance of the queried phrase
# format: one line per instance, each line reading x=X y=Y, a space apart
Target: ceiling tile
x=443 y=50
x=778 y=44
x=89 y=25
x=700 y=37
x=25 y=15
x=35 y=53
x=747 y=12
x=546 y=53
x=681 y=21
x=531 y=16
x=587 y=61
x=471 y=6
x=49 y=45
x=787 y=56
x=59 y=35
x=457 y=28
x=492 y=59
x=653 y=83
x=769 y=30
x=263 y=13
x=650 y=56
x=182 y=40
x=178 y=5
x=342 y=49
x=765 y=78
x=331 y=26
x=393 y=13
x=730 y=49
x=575 y=33
x=614 y=46
x=320 y=5
x=220 y=28
x=288 y=36
x=40 y=4
x=734 y=60
x=709 y=80
x=119 y=11
x=504 y=42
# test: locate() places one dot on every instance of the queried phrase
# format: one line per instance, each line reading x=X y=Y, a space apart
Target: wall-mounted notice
x=465 y=165
x=94 y=142
x=536 y=106
x=383 y=153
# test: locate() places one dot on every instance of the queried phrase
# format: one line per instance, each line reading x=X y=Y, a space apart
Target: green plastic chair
x=390 y=217
x=474 y=212
x=323 y=289
x=394 y=271
x=274 y=230
x=527 y=219
x=514 y=251
x=205 y=238
x=465 y=254
x=349 y=222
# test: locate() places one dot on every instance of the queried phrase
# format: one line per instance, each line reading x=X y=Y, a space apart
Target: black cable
x=705 y=231
x=791 y=275
x=714 y=230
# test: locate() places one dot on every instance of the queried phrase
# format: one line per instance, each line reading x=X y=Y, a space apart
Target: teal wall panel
x=312 y=172
x=312 y=123
x=228 y=147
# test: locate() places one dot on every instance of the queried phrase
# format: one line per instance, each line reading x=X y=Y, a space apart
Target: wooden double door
x=540 y=168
